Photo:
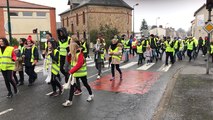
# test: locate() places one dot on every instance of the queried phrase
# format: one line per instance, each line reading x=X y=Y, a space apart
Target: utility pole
x=9 y=23
x=134 y=19
x=209 y=5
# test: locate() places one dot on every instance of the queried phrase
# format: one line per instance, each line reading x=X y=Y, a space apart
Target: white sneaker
x=98 y=77
x=90 y=98
x=67 y=103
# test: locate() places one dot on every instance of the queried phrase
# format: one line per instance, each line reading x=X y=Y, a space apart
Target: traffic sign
x=208 y=27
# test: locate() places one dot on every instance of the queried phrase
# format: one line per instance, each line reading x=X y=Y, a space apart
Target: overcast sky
x=172 y=13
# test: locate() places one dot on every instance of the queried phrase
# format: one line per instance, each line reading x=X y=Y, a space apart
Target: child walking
x=139 y=52
x=148 y=55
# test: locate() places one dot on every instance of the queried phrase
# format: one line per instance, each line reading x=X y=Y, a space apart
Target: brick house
x=86 y=15
x=25 y=17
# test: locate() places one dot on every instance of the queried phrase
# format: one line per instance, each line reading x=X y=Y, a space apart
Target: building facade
x=201 y=17
x=25 y=17
x=84 y=16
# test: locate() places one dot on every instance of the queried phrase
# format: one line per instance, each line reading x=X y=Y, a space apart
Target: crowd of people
x=67 y=55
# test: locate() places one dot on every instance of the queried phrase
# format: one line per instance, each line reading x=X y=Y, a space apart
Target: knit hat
x=29 y=38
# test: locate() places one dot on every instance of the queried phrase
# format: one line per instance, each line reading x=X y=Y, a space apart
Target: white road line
x=38 y=69
x=164 y=68
x=128 y=65
x=146 y=66
x=90 y=61
x=6 y=111
x=92 y=65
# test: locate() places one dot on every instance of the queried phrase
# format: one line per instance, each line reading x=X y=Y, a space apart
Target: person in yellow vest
x=79 y=71
x=177 y=48
x=169 y=45
x=7 y=65
x=98 y=57
x=126 y=47
x=190 y=48
x=63 y=48
x=31 y=57
x=134 y=46
x=53 y=53
x=19 y=62
x=211 y=50
x=85 y=47
x=140 y=53
x=115 y=51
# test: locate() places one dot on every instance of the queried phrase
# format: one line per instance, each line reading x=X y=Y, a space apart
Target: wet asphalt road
x=32 y=103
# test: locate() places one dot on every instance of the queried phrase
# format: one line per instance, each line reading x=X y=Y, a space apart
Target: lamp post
x=134 y=19
x=157 y=25
x=9 y=23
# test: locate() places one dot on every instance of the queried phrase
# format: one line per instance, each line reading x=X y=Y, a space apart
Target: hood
x=64 y=35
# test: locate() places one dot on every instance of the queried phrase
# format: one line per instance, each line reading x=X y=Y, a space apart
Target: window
x=27 y=13
x=85 y=36
x=77 y=19
x=72 y=28
x=78 y=35
x=13 y=13
x=41 y=14
x=67 y=22
x=84 y=21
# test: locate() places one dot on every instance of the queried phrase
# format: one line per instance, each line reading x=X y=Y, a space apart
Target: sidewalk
x=192 y=96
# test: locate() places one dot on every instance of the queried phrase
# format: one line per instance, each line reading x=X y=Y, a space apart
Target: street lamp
x=133 y=18
x=9 y=23
x=157 y=25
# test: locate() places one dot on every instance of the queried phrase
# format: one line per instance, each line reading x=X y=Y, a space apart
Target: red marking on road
x=134 y=82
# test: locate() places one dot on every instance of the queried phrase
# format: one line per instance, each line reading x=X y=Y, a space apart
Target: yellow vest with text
x=82 y=71
x=6 y=62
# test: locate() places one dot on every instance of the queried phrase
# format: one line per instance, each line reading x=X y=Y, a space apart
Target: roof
x=204 y=5
x=22 y=4
x=115 y=3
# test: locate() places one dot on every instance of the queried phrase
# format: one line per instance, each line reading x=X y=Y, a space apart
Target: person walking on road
x=98 y=57
x=169 y=50
x=53 y=53
x=78 y=71
x=85 y=47
x=148 y=55
x=126 y=45
x=140 y=53
x=7 y=65
x=190 y=48
x=64 y=41
x=31 y=57
x=115 y=51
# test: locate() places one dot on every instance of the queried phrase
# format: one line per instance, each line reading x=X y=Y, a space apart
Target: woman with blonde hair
x=79 y=71
x=115 y=52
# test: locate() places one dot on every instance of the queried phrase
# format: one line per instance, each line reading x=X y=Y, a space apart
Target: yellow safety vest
x=32 y=53
x=6 y=62
x=55 y=67
x=134 y=43
x=126 y=42
x=211 y=46
x=139 y=49
x=176 y=44
x=63 y=46
x=21 y=48
x=190 y=45
x=45 y=45
x=168 y=47
x=82 y=71
x=118 y=57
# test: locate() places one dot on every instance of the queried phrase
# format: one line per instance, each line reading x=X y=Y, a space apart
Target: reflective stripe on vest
x=6 y=62
x=139 y=49
x=190 y=45
x=82 y=71
x=63 y=47
x=126 y=42
x=32 y=54
x=85 y=47
x=115 y=56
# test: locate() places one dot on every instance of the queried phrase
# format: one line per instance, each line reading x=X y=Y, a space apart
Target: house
x=25 y=17
x=87 y=15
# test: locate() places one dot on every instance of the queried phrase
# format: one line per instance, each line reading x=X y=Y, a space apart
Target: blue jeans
x=126 y=53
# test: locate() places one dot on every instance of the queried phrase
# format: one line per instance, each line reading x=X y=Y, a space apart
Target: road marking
x=128 y=65
x=6 y=111
x=164 y=68
x=92 y=65
x=89 y=62
x=145 y=66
